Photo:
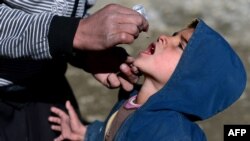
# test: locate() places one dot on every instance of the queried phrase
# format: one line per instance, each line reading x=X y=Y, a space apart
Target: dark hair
x=193 y=24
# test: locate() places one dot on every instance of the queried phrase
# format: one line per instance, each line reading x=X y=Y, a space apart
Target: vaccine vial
x=140 y=9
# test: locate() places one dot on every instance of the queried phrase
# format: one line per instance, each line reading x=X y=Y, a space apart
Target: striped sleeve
x=24 y=35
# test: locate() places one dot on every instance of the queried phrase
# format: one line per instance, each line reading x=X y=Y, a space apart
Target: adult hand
x=127 y=76
x=109 y=27
x=111 y=67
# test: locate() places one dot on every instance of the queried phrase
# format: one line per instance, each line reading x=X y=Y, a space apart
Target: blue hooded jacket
x=208 y=79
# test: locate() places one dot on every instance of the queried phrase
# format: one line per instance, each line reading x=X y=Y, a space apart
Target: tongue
x=152 y=50
x=147 y=52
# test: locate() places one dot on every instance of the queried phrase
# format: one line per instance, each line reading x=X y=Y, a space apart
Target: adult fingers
x=135 y=71
x=129 y=61
x=126 y=70
x=121 y=9
x=129 y=15
x=121 y=38
x=113 y=80
x=126 y=28
x=135 y=19
x=129 y=28
x=127 y=86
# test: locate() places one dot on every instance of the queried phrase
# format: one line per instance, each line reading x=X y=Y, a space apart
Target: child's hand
x=69 y=124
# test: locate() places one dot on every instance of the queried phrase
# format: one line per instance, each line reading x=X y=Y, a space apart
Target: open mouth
x=150 y=50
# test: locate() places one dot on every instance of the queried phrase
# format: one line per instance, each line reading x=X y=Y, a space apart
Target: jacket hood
x=208 y=78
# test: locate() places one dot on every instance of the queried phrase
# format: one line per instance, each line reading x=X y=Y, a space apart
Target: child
x=189 y=76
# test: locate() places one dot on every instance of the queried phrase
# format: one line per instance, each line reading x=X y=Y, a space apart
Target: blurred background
x=229 y=17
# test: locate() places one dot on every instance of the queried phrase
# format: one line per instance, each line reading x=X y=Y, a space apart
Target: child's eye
x=180 y=46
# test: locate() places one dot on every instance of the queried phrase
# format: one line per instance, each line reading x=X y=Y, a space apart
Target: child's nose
x=163 y=39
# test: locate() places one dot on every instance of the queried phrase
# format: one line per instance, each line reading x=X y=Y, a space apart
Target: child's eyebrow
x=182 y=38
x=175 y=33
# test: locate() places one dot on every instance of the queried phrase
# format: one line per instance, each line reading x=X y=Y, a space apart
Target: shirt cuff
x=61 y=35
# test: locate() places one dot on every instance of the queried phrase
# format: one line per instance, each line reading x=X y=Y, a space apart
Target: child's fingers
x=56 y=128
x=58 y=112
x=60 y=138
x=55 y=120
x=71 y=111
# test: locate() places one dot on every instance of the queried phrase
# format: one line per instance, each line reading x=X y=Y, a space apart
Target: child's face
x=160 y=59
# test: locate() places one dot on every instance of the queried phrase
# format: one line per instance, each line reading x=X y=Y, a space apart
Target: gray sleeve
x=24 y=35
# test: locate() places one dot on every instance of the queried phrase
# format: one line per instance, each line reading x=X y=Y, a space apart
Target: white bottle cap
x=140 y=9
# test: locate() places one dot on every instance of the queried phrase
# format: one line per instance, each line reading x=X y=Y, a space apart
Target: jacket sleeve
x=95 y=131
x=161 y=125
x=35 y=36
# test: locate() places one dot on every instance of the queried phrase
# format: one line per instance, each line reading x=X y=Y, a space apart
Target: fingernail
x=123 y=66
